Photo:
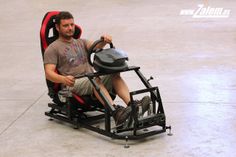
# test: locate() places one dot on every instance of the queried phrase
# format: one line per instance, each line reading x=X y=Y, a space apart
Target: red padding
x=78 y=98
x=43 y=28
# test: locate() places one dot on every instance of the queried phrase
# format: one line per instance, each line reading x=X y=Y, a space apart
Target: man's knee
x=116 y=76
x=98 y=81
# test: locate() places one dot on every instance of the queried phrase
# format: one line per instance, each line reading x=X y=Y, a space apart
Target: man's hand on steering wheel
x=106 y=38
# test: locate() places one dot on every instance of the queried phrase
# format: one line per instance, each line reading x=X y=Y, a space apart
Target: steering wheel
x=93 y=49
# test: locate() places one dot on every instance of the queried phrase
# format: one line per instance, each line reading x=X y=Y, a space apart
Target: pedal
x=126 y=125
x=150 y=109
x=154 y=119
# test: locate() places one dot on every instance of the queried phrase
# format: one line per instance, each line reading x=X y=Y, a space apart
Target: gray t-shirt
x=70 y=58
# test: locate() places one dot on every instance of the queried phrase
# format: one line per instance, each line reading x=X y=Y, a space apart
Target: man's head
x=65 y=24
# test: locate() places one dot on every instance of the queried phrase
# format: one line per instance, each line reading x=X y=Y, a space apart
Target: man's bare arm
x=57 y=78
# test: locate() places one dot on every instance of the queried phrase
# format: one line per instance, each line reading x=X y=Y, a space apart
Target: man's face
x=66 y=28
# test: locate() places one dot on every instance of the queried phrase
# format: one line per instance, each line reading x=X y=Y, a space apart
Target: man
x=69 y=57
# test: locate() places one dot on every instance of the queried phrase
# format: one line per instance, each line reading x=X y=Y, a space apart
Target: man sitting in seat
x=69 y=57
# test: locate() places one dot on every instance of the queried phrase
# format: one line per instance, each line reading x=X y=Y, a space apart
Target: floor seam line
x=18 y=117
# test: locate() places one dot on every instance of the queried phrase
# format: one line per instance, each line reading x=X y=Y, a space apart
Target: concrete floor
x=192 y=60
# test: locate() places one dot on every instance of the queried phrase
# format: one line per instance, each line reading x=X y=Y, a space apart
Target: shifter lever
x=151 y=78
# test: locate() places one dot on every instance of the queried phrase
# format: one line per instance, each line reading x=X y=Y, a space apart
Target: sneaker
x=144 y=103
x=121 y=114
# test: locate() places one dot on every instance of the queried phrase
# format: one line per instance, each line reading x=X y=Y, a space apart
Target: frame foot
x=76 y=127
x=126 y=142
x=170 y=133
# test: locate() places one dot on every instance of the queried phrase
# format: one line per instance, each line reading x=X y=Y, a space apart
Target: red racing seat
x=48 y=34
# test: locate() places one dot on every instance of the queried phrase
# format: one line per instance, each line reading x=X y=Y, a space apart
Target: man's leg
x=121 y=88
x=104 y=91
x=120 y=114
x=84 y=87
x=122 y=91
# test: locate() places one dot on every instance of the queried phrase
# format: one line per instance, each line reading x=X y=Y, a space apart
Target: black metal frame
x=78 y=117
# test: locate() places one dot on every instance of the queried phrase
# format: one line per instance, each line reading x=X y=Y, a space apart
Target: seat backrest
x=48 y=34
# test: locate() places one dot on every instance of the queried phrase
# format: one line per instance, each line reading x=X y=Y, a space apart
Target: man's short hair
x=63 y=15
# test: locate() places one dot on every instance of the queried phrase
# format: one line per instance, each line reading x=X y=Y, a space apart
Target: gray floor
x=192 y=61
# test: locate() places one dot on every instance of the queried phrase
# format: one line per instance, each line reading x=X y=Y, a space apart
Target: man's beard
x=67 y=35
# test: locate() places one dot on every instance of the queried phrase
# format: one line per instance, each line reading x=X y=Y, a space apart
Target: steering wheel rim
x=93 y=50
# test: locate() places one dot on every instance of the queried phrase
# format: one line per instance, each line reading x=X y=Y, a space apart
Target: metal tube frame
x=157 y=119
